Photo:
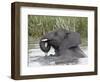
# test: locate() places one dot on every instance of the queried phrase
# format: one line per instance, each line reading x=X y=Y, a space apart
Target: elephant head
x=59 y=40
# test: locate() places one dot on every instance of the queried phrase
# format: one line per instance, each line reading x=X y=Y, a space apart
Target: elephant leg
x=78 y=52
x=66 y=57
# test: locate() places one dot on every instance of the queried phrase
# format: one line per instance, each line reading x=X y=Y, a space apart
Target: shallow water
x=38 y=58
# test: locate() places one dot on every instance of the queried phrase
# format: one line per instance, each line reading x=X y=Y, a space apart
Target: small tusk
x=46 y=44
x=44 y=39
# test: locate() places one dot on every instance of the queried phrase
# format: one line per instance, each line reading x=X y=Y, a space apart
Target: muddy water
x=37 y=58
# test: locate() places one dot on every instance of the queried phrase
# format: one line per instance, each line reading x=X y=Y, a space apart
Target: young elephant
x=64 y=43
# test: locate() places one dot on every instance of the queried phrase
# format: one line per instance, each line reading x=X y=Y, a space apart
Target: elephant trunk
x=44 y=45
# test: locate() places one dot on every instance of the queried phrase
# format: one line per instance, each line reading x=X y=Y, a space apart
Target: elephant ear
x=71 y=40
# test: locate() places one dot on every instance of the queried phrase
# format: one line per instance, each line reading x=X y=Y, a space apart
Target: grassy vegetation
x=39 y=25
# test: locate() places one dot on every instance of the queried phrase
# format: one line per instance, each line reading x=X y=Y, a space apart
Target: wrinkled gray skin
x=64 y=43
